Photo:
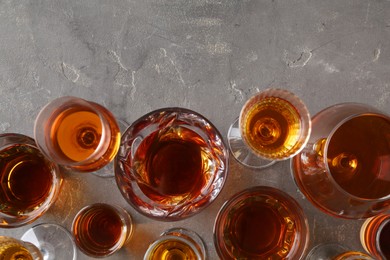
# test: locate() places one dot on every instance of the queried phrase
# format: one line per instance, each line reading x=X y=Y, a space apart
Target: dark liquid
x=359 y=156
x=260 y=229
x=384 y=240
x=172 y=165
x=98 y=229
x=26 y=179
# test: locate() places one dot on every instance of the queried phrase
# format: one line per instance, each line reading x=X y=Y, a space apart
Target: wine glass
x=261 y=223
x=172 y=163
x=333 y=251
x=177 y=243
x=101 y=229
x=375 y=236
x=273 y=125
x=345 y=168
x=77 y=134
x=29 y=182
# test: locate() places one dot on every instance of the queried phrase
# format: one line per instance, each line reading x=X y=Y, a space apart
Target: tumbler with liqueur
x=78 y=134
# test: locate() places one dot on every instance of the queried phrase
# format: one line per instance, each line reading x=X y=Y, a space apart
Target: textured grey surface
x=207 y=55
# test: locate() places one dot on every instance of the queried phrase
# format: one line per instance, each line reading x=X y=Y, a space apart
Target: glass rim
x=381 y=226
x=293 y=207
x=304 y=120
x=327 y=142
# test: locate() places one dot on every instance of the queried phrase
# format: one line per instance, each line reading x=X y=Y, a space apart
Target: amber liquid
x=375 y=236
x=98 y=230
x=11 y=250
x=172 y=249
x=358 y=156
x=26 y=179
x=259 y=229
x=271 y=127
x=77 y=133
x=174 y=165
x=352 y=255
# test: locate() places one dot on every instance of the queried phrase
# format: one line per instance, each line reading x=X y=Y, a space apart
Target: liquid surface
x=173 y=165
x=172 y=249
x=98 y=230
x=384 y=240
x=359 y=156
x=272 y=128
x=26 y=179
x=11 y=249
x=77 y=134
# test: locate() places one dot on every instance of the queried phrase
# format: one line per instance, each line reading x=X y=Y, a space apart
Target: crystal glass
x=375 y=236
x=178 y=244
x=345 y=168
x=261 y=223
x=14 y=249
x=273 y=125
x=77 y=134
x=101 y=229
x=29 y=182
x=52 y=240
x=171 y=164
x=333 y=251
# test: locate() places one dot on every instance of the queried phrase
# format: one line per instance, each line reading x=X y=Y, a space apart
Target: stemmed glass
x=273 y=125
x=77 y=134
x=172 y=163
x=345 y=168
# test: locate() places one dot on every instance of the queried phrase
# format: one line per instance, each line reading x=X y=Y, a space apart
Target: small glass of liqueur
x=77 y=134
x=101 y=229
x=333 y=251
x=171 y=164
x=273 y=125
x=178 y=244
x=29 y=182
x=344 y=170
x=14 y=249
x=375 y=236
x=261 y=223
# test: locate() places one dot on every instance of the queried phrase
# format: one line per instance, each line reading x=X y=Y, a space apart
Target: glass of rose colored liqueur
x=30 y=183
x=344 y=169
x=78 y=134
x=375 y=236
x=273 y=125
x=333 y=251
x=178 y=244
x=172 y=163
x=101 y=229
x=261 y=223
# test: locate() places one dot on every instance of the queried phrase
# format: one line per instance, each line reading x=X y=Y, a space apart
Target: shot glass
x=334 y=251
x=178 y=244
x=101 y=229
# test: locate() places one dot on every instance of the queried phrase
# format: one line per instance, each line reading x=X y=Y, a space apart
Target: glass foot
x=54 y=241
x=241 y=152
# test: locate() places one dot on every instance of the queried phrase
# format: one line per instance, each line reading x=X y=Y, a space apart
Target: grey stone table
x=134 y=56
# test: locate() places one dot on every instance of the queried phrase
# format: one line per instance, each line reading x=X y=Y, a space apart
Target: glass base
x=241 y=152
x=108 y=170
x=325 y=251
x=54 y=241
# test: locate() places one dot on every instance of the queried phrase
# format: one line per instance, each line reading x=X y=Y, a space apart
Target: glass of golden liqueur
x=375 y=236
x=101 y=229
x=261 y=223
x=273 y=125
x=78 y=134
x=345 y=168
x=29 y=182
x=333 y=251
x=178 y=244
x=171 y=164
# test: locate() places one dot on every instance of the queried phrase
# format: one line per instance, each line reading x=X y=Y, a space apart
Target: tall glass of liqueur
x=172 y=163
x=77 y=134
x=261 y=223
x=273 y=125
x=178 y=244
x=375 y=236
x=29 y=182
x=345 y=168
x=333 y=251
x=101 y=229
